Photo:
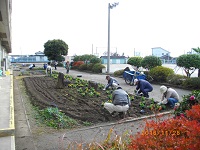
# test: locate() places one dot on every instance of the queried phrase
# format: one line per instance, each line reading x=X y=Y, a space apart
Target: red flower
x=192 y=98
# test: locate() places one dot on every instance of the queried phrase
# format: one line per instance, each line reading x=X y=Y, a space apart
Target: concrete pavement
x=7 y=127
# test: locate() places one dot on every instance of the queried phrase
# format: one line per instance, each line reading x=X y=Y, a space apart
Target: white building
x=159 y=52
x=5 y=33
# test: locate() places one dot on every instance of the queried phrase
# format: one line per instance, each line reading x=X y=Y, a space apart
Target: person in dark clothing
x=67 y=66
x=55 y=65
x=112 y=82
x=143 y=86
x=120 y=102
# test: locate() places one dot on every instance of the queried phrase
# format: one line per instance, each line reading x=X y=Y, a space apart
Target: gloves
x=159 y=103
x=104 y=89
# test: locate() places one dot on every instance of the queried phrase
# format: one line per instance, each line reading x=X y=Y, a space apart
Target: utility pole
x=110 y=6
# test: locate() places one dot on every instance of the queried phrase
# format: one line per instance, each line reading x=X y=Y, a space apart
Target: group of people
x=48 y=67
x=120 y=99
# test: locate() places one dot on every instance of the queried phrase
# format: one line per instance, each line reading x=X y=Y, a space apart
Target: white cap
x=135 y=81
x=163 y=89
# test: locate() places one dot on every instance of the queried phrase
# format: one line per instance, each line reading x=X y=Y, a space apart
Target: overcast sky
x=136 y=25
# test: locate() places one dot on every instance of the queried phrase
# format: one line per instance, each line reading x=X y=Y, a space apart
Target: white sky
x=134 y=24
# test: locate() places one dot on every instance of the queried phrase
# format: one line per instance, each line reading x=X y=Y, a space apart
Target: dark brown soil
x=43 y=93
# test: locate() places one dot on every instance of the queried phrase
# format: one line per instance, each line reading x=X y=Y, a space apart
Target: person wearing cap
x=143 y=86
x=112 y=82
x=169 y=96
x=120 y=102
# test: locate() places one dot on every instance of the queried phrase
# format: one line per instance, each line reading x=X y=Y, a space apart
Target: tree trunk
x=60 y=83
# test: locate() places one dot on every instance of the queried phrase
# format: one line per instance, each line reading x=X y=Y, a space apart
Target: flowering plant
x=187 y=103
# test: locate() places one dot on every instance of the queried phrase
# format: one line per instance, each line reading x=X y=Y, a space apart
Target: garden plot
x=81 y=102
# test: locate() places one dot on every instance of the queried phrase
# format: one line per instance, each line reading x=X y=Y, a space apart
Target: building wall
x=113 y=61
x=158 y=51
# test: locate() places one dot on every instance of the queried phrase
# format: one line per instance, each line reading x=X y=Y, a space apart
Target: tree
x=86 y=57
x=198 y=51
x=150 y=62
x=55 y=49
x=189 y=62
x=135 y=61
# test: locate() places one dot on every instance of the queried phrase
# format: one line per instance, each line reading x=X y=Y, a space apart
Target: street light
x=110 y=6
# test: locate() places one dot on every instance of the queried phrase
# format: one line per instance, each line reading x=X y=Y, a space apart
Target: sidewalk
x=7 y=127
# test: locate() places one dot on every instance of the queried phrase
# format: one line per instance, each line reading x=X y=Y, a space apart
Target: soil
x=43 y=93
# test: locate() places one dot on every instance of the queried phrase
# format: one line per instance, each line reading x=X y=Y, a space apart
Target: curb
x=123 y=121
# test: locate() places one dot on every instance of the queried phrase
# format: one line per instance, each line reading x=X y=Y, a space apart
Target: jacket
x=120 y=97
x=111 y=81
x=143 y=84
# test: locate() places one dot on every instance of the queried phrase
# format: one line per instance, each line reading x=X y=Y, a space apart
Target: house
x=114 y=59
x=163 y=54
x=159 y=52
x=5 y=33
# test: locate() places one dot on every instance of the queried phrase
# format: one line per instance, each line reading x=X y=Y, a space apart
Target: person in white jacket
x=169 y=96
x=49 y=70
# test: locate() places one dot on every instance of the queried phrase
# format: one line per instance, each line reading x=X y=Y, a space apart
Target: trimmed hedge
x=160 y=73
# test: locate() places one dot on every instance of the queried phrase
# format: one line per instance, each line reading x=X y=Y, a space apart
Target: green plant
x=192 y=83
x=83 y=67
x=176 y=79
x=97 y=68
x=90 y=66
x=160 y=73
x=54 y=118
x=150 y=62
x=189 y=62
x=119 y=73
x=187 y=102
x=135 y=61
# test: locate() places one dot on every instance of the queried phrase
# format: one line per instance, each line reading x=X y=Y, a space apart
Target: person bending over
x=143 y=86
x=112 y=82
x=120 y=102
x=169 y=96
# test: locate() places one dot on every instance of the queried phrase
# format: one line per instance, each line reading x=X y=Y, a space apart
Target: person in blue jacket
x=112 y=82
x=143 y=86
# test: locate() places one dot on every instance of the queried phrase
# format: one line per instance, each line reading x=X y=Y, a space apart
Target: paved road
x=100 y=78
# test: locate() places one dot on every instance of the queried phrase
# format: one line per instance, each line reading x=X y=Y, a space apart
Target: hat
x=163 y=89
x=135 y=81
x=119 y=87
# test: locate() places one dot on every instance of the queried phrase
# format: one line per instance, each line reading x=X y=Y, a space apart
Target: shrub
x=90 y=66
x=176 y=79
x=97 y=68
x=76 y=64
x=119 y=73
x=60 y=64
x=150 y=62
x=192 y=83
x=83 y=67
x=95 y=60
x=160 y=73
x=187 y=102
x=135 y=61
x=168 y=134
